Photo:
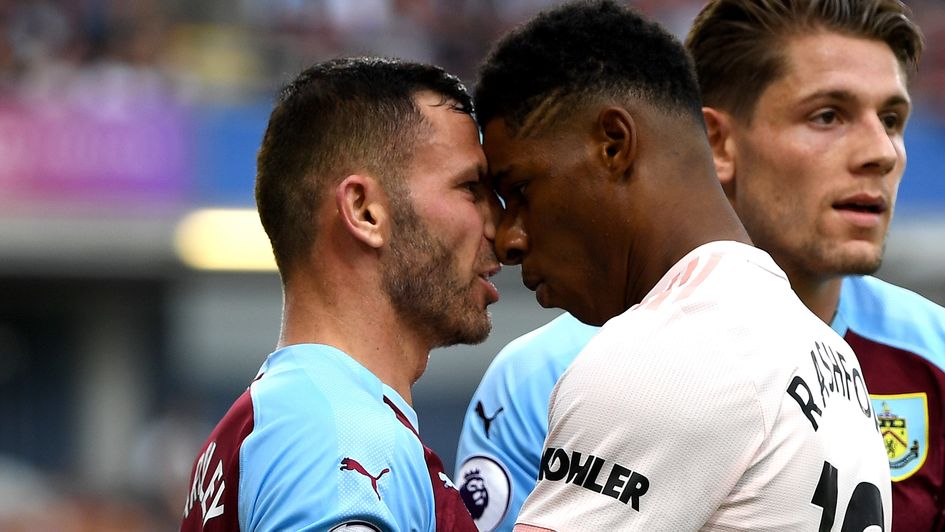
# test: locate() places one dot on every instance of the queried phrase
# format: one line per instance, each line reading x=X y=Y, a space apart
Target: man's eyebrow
x=847 y=96
x=476 y=170
x=897 y=99
x=833 y=94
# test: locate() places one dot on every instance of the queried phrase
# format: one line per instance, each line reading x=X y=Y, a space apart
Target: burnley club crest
x=903 y=423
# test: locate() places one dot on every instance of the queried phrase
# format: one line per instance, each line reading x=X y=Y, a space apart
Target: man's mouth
x=492 y=294
x=862 y=203
x=490 y=271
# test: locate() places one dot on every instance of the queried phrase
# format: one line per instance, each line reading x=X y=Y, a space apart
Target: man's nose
x=876 y=152
x=511 y=240
x=492 y=214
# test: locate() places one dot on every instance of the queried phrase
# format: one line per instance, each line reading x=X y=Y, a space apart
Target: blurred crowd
x=234 y=50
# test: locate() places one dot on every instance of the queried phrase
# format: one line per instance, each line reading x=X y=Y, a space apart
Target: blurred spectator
x=243 y=49
x=162 y=458
x=31 y=501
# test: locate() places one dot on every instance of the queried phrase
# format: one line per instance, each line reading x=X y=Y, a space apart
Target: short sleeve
x=310 y=466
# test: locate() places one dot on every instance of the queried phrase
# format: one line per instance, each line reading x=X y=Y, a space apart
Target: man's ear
x=362 y=205
x=617 y=136
x=719 y=131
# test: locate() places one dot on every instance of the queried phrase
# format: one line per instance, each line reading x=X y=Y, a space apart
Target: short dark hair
x=584 y=50
x=737 y=45
x=340 y=117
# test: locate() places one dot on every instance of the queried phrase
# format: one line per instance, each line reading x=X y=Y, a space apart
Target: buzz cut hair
x=337 y=118
x=580 y=52
x=738 y=45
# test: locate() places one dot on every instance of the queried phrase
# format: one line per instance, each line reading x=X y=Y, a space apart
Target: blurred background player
x=704 y=405
x=369 y=188
x=809 y=148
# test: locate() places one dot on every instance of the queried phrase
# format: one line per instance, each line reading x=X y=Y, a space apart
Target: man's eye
x=892 y=121
x=825 y=118
x=474 y=186
x=512 y=191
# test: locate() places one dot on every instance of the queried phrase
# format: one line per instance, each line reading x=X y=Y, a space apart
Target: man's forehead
x=837 y=67
x=509 y=153
x=498 y=143
x=830 y=57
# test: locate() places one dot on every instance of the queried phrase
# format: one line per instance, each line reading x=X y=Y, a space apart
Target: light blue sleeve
x=892 y=315
x=507 y=420
x=317 y=460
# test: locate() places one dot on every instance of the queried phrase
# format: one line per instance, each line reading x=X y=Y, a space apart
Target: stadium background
x=121 y=341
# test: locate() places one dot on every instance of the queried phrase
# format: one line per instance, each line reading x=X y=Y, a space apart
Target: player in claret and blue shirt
x=899 y=338
x=813 y=177
x=370 y=188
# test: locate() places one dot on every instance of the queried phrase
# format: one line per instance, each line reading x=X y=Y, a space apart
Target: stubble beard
x=424 y=286
x=841 y=255
x=817 y=253
x=826 y=259
x=815 y=256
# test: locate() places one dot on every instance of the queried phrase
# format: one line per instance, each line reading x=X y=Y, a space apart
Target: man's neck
x=709 y=219
x=820 y=295
x=371 y=335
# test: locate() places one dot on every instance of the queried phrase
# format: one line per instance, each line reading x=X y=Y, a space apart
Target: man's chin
x=593 y=320
x=862 y=268
x=543 y=297
x=858 y=258
x=469 y=333
x=477 y=334
x=477 y=338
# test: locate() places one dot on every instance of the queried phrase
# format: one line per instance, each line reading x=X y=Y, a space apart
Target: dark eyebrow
x=477 y=170
x=894 y=101
x=847 y=96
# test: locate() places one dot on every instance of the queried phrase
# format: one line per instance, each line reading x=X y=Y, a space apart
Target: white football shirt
x=718 y=403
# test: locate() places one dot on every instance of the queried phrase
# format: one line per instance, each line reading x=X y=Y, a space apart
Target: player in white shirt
x=713 y=400
x=716 y=403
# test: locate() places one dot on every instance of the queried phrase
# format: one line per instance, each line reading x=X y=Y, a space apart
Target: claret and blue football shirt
x=318 y=442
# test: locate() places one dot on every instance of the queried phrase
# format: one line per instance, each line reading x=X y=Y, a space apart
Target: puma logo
x=447 y=483
x=486 y=420
x=350 y=464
